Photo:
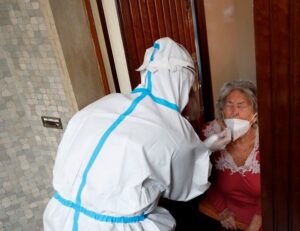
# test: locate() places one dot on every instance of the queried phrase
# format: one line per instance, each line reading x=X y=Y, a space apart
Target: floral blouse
x=234 y=187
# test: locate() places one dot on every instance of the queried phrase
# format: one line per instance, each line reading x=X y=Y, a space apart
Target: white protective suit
x=120 y=154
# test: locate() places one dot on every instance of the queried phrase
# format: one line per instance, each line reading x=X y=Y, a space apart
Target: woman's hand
x=255 y=224
x=227 y=219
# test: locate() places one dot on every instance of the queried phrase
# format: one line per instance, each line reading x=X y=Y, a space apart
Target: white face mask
x=237 y=127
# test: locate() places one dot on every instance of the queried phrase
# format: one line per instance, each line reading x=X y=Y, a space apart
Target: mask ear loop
x=253 y=119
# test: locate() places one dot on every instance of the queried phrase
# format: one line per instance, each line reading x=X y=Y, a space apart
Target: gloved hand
x=218 y=141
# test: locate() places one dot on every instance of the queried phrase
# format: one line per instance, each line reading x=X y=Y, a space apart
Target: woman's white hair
x=245 y=86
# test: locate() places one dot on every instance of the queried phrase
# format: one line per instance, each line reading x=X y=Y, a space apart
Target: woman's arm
x=255 y=224
x=256 y=221
x=216 y=199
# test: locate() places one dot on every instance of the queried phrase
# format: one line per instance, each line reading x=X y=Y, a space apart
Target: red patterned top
x=235 y=187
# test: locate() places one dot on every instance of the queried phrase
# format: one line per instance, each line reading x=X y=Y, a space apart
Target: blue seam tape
x=157 y=100
x=96 y=152
x=77 y=206
x=156 y=48
x=165 y=103
x=149 y=80
x=98 y=216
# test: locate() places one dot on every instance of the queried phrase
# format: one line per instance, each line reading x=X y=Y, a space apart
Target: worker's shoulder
x=113 y=100
x=182 y=132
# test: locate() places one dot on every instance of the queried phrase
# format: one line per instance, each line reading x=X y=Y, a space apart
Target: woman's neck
x=242 y=147
x=247 y=138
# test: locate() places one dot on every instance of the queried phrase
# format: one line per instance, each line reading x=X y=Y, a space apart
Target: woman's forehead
x=237 y=95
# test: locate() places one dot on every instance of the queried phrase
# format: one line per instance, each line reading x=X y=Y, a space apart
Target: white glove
x=218 y=141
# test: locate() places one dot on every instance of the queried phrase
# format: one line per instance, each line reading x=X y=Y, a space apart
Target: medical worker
x=120 y=154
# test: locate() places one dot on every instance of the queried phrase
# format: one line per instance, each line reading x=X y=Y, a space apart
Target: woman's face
x=238 y=106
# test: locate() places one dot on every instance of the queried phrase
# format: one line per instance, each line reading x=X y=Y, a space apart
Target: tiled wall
x=30 y=86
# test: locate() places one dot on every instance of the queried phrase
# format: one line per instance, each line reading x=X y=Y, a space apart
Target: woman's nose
x=235 y=112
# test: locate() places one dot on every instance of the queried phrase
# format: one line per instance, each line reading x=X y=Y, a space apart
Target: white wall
x=230 y=31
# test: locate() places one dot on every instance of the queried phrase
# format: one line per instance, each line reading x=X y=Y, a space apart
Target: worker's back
x=121 y=153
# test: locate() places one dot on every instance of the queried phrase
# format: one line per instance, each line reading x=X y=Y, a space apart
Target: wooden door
x=144 y=21
x=277 y=36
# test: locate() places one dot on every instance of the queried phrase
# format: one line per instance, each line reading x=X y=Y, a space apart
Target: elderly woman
x=235 y=190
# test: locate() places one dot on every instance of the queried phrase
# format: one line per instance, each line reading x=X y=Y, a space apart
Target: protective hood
x=168 y=72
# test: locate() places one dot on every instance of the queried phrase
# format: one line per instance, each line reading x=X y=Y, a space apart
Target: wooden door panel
x=294 y=187
x=180 y=23
x=167 y=19
x=278 y=80
x=148 y=20
x=144 y=21
x=159 y=15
